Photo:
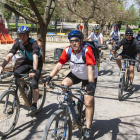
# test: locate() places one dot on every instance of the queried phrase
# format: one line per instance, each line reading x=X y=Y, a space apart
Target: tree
x=83 y=9
x=38 y=12
x=7 y=14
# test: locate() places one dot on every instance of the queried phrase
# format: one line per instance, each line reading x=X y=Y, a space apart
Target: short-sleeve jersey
x=27 y=50
x=115 y=35
x=79 y=67
x=96 y=38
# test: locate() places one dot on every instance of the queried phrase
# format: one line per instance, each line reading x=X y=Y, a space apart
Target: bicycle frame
x=68 y=100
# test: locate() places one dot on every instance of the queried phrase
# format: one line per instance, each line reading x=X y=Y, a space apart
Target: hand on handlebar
x=46 y=81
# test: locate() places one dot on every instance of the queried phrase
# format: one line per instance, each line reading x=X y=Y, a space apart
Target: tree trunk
x=85 y=28
x=41 y=33
x=16 y=21
x=6 y=23
x=55 y=25
x=119 y=25
x=62 y=26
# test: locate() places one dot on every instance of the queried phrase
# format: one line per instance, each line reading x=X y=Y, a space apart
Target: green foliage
x=6 y=13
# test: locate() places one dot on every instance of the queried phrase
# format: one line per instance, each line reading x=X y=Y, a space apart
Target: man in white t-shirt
x=115 y=35
x=98 y=40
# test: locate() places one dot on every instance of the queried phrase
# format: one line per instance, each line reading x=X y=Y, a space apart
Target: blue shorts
x=132 y=63
x=100 y=47
x=113 y=39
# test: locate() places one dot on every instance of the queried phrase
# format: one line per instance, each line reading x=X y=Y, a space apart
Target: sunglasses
x=96 y=30
x=128 y=35
x=76 y=40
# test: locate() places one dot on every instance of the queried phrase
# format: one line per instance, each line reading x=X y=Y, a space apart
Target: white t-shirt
x=115 y=34
x=96 y=38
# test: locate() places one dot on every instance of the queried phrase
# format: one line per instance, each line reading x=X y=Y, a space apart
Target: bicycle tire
x=57 y=114
x=127 y=80
x=42 y=96
x=121 y=86
x=7 y=117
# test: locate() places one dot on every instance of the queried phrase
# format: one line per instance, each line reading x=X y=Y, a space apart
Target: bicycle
x=10 y=105
x=59 y=125
x=113 y=47
x=124 y=76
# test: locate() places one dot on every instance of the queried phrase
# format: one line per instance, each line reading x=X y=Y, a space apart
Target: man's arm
x=102 y=41
x=35 y=61
x=56 y=69
x=90 y=73
x=6 y=61
x=138 y=47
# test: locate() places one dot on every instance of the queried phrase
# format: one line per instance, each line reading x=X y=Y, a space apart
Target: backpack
x=86 y=44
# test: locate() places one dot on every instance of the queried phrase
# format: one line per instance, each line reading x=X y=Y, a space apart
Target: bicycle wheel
x=55 y=127
x=42 y=96
x=8 y=116
x=121 y=86
x=127 y=80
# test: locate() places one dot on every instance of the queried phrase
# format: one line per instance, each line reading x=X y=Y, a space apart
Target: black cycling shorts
x=132 y=63
x=24 y=68
x=76 y=80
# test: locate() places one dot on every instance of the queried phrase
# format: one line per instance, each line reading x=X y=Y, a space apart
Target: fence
x=49 y=37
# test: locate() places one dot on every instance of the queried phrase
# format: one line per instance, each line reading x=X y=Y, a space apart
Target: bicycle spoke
x=8 y=114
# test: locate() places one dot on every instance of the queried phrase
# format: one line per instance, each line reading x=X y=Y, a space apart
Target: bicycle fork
x=13 y=104
x=61 y=136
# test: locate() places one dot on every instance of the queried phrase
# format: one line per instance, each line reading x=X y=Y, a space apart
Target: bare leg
x=89 y=109
x=131 y=73
x=35 y=95
x=119 y=62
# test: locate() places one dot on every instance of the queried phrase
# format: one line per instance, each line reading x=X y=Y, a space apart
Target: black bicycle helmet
x=129 y=31
x=76 y=33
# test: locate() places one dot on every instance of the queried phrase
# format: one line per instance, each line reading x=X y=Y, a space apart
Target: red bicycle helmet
x=116 y=27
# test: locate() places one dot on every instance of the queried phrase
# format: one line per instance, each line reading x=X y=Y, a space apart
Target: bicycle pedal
x=74 y=126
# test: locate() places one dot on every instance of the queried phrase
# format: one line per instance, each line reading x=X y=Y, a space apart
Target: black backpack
x=86 y=44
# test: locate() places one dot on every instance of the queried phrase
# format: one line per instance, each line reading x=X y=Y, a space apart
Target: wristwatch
x=33 y=71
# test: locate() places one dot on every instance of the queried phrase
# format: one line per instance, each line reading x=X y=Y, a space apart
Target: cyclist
x=98 y=40
x=32 y=60
x=130 y=48
x=80 y=72
x=115 y=35
x=137 y=36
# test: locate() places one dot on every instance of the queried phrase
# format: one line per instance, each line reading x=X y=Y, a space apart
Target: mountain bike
x=10 y=105
x=60 y=125
x=124 y=80
x=113 y=47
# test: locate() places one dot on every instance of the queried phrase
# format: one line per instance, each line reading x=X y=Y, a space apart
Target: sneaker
x=87 y=134
x=33 y=110
x=130 y=87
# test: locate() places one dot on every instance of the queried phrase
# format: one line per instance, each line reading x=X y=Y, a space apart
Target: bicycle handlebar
x=13 y=73
x=52 y=85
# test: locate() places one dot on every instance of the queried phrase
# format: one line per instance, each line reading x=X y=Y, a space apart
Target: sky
x=130 y=2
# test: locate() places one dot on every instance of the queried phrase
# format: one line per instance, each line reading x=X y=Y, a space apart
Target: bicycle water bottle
x=66 y=96
x=76 y=107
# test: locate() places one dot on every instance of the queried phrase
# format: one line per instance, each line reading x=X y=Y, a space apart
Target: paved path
x=113 y=120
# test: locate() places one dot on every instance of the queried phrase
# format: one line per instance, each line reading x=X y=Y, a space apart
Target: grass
x=12 y=25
